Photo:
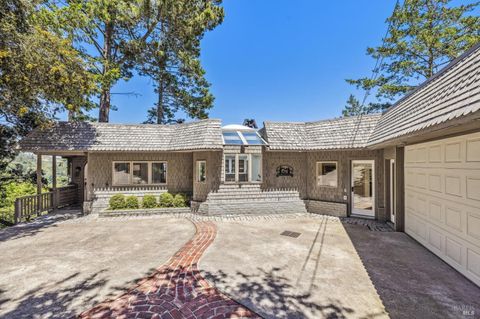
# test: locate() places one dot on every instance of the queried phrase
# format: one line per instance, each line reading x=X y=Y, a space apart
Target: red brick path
x=175 y=290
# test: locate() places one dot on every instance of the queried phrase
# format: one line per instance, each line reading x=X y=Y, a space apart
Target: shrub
x=149 y=201
x=131 y=202
x=117 y=201
x=179 y=201
x=166 y=200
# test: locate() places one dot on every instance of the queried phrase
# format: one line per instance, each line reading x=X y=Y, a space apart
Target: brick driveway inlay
x=176 y=289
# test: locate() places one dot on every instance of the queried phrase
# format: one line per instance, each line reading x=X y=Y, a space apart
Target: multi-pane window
x=201 y=171
x=327 y=174
x=230 y=168
x=139 y=173
x=243 y=168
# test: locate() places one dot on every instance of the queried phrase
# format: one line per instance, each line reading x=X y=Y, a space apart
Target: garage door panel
x=473 y=225
x=473 y=188
x=442 y=200
x=473 y=150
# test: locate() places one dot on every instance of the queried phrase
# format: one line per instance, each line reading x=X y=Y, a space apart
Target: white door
x=363 y=188
x=392 y=191
x=442 y=200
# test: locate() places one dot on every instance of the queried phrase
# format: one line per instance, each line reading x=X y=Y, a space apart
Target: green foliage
x=117 y=202
x=166 y=200
x=171 y=57
x=179 y=201
x=131 y=202
x=11 y=191
x=424 y=36
x=354 y=108
x=41 y=74
x=149 y=201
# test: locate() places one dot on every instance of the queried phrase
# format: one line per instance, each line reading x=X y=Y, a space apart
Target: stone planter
x=145 y=211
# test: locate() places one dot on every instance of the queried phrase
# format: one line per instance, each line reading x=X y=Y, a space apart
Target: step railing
x=27 y=207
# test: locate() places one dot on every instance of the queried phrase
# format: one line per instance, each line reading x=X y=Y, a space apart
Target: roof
x=341 y=133
x=87 y=136
x=452 y=93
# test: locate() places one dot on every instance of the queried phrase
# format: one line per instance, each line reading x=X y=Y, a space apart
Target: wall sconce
x=78 y=169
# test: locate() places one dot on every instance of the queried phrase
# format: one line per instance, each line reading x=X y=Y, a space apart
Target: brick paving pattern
x=176 y=289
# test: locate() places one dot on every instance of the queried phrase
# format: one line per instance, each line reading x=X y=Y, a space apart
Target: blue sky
x=278 y=60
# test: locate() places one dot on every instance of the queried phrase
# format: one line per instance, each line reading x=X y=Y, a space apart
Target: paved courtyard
x=296 y=266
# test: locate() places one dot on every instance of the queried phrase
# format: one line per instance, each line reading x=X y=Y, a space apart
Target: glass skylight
x=242 y=138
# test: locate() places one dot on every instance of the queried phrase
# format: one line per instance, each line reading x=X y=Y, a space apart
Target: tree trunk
x=160 y=111
x=104 y=110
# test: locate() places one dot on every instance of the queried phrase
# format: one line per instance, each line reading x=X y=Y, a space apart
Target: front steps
x=250 y=199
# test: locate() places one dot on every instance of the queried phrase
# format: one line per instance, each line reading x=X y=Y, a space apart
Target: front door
x=363 y=188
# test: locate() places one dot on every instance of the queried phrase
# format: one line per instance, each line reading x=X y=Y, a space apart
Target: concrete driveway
x=316 y=275
x=334 y=270
x=59 y=269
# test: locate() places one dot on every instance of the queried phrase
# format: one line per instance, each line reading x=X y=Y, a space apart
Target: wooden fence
x=31 y=206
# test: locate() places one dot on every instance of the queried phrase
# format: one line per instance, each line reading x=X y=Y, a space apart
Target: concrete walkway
x=59 y=267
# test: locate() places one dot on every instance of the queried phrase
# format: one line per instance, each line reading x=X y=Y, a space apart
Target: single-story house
x=416 y=165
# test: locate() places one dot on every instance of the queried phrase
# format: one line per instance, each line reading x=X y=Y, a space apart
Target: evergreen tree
x=424 y=36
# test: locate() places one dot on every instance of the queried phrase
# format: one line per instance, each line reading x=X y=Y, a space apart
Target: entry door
x=392 y=191
x=363 y=188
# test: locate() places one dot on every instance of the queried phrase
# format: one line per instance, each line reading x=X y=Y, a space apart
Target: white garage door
x=442 y=200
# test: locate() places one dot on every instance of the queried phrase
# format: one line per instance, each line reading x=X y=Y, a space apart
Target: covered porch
x=50 y=199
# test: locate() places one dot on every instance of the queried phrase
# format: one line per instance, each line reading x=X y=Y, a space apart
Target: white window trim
x=130 y=176
x=316 y=175
x=197 y=178
x=249 y=168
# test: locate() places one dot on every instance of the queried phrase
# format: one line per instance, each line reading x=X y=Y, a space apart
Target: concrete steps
x=251 y=199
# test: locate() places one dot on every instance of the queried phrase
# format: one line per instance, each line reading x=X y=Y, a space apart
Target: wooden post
x=400 y=189
x=54 y=182
x=39 y=181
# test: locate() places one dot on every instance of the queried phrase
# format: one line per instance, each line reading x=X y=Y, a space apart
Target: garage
x=442 y=200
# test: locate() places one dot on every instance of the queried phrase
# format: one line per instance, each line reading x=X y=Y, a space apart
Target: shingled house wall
x=179 y=169
x=214 y=172
x=304 y=178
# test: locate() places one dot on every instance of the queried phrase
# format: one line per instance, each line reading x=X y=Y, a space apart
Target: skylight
x=241 y=135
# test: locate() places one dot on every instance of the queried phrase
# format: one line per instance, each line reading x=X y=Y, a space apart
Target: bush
x=117 y=202
x=179 y=201
x=131 y=202
x=166 y=200
x=149 y=201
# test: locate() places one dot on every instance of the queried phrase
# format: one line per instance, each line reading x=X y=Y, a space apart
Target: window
x=256 y=168
x=230 y=168
x=201 y=171
x=327 y=174
x=243 y=168
x=159 y=173
x=253 y=138
x=121 y=173
x=232 y=138
x=139 y=173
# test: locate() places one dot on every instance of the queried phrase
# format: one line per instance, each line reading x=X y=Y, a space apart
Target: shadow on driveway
x=411 y=281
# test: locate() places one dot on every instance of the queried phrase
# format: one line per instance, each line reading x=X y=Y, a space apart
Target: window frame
x=199 y=162
x=237 y=171
x=130 y=175
x=317 y=173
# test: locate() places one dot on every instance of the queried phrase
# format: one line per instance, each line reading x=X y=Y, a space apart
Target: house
x=417 y=165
